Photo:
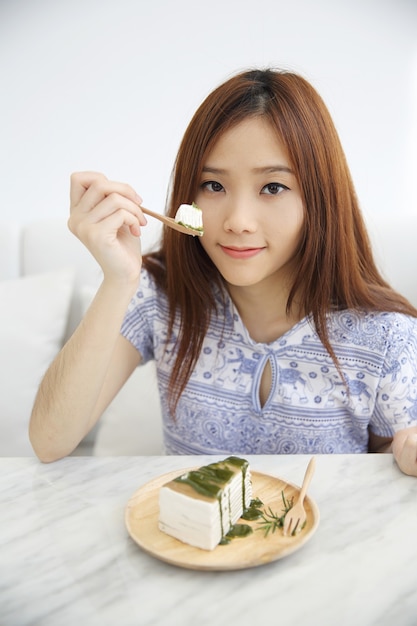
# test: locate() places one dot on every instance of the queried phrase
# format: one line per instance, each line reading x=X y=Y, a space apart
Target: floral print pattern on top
x=309 y=409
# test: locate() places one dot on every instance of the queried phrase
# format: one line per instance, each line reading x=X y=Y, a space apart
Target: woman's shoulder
x=374 y=327
x=148 y=290
x=381 y=319
x=147 y=280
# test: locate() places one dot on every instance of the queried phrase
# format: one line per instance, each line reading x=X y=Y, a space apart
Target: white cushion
x=132 y=423
x=10 y=253
x=33 y=319
x=49 y=245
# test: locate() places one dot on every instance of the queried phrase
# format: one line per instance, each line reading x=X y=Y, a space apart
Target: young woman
x=272 y=333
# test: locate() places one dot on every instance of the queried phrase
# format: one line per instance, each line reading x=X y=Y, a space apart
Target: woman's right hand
x=106 y=217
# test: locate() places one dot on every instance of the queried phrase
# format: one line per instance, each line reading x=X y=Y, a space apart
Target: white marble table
x=67 y=559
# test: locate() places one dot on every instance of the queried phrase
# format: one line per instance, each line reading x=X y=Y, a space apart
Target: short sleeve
x=396 y=401
x=137 y=325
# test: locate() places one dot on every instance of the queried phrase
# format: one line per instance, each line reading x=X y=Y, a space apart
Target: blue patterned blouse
x=309 y=409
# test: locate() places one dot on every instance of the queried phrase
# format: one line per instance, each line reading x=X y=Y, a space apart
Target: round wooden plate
x=142 y=512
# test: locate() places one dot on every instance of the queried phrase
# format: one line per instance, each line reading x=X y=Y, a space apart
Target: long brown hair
x=335 y=264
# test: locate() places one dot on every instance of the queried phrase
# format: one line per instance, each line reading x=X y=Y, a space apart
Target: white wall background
x=110 y=85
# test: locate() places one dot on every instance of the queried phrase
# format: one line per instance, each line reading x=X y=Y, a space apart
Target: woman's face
x=252 y=207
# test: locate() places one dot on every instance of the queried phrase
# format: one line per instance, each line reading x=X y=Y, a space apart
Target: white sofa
x=47 y=279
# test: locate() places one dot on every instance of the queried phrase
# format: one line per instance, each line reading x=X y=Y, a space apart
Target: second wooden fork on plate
x=296 y=516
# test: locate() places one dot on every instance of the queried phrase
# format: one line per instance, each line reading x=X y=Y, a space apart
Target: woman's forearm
x=70 y=397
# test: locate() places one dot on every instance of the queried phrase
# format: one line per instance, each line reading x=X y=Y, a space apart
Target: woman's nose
x=240 y=216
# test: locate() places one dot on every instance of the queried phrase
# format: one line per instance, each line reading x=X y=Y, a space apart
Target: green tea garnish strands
x=270 y=521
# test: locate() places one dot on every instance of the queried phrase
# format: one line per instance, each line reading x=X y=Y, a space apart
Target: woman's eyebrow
x=214 y=170
x=267 y=169
x=270 y=169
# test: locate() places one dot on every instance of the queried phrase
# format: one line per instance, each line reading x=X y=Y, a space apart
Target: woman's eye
x=274 y=189
x=212 y=185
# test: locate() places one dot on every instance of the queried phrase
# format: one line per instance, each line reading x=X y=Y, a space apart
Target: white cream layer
x=198 y=522
x=190 y=215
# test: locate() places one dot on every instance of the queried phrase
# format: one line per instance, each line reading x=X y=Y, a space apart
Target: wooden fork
x=169 y=221
x=296 y=516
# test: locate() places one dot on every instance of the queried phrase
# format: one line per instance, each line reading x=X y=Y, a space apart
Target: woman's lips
x=240 y=253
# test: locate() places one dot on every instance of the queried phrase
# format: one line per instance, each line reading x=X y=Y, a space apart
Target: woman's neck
x=264 y=311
